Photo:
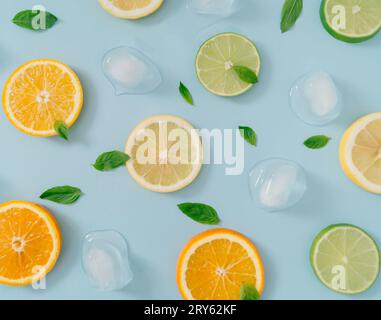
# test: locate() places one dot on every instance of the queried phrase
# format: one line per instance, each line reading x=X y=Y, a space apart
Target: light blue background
x=154 y=227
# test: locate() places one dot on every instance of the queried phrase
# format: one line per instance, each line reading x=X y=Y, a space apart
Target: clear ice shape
x=277 y=184
x=105 y=260
x=315 y=98
x=130 y=71
x=213 y=7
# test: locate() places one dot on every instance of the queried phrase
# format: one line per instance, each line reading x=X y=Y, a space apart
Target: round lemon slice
x=360 y=152
x=131 y=9
x=166 y=153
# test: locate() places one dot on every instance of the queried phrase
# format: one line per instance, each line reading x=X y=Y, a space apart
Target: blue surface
x=155 y=229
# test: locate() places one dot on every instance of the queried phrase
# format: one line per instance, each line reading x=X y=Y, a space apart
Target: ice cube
x=105 y=260
x=315 y=98
x=130 y=71
x=277 y=184
x=213 y=7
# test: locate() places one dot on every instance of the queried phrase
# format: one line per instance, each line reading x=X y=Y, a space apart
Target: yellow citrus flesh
x=216 y=263
x=360 y=152
x=30 y=243
x=166 y=153
x=131 y=9
x=41 y=92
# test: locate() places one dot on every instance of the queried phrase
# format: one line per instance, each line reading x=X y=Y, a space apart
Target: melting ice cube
x=315 y=98
x=130 y=71
x=277 y=184
x=105 y=260
x=213 y=7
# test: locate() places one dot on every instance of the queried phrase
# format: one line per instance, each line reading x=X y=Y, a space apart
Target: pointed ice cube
x=277 y=184
x=130 y=71
x=315 y=98
x=105 y=260
x=213 y=7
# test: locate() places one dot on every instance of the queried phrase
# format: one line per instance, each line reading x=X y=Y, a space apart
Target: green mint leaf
x=110 y=160
x=199 y=212
x=249 y=292
x=62 y=195
x=62 y=130
x=246 y=74
x=317 y=142
x=36 y=20
x=185 y=93
x=290 y=13
x=249 y=135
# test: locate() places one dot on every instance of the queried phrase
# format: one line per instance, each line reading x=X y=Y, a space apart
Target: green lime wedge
x=351 y=20
x=216 y=59
x=345 y=258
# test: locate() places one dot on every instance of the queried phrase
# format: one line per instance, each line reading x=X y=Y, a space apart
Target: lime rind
x=247 y=86
x=322 y=234
x=342 y=36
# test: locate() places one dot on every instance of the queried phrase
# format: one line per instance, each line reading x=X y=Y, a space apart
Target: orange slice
x=41 y=92
x=216 y=263
x=30 y=243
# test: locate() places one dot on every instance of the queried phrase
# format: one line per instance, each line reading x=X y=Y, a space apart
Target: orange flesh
x=26 y=244
x=216 y=270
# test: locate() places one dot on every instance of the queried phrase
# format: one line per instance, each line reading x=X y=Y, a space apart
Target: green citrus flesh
x=216 y=58
x=351 y=20
x=345 y=259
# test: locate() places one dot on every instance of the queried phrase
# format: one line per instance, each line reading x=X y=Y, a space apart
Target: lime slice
x=345 y=258
x=215 y=61
x=351 y=20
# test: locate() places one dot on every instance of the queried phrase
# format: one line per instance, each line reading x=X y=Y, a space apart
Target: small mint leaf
x=200 y=213
x=290 y=13
x=249 y=135
x=246 y=74
x=185 y=93
x=62 y=130
x=249 y=292
x=317 y=142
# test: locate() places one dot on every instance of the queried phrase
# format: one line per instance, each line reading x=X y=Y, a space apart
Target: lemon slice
x=166 y=153
x=360 y=152
x=41 y=92
x=131 y=9
x=215 y=61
